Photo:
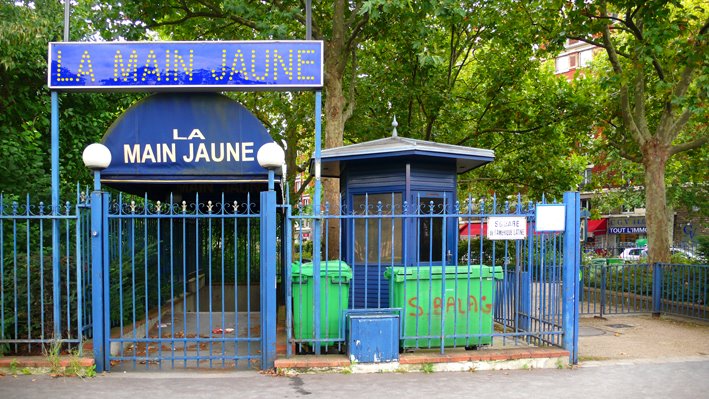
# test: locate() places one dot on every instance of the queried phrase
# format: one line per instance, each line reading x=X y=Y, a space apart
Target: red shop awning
x=597 y=227
x=472 y=229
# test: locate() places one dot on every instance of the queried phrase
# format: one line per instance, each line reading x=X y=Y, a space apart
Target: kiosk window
x=374 y=232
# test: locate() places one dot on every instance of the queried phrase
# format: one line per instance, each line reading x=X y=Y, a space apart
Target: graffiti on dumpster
x=452 y=305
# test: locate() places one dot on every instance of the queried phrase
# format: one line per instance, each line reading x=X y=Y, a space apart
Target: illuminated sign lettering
x=176 y=66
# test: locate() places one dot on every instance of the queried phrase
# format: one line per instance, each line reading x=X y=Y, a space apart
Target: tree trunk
x=334 y=128
x=657 y=215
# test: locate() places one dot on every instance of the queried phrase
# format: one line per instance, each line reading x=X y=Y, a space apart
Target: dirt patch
x=642 y=337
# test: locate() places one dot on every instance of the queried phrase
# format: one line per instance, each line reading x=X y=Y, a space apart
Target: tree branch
x=625 y=109
x=690 y=145
x=349 y=110
x=356 y=30
x=666 y=128
x=304 y=185
x=624 y=153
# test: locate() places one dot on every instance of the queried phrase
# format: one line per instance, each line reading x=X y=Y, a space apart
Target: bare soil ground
x=642 y=337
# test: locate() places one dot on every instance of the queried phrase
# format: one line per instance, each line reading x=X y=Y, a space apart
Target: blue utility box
x=373 y=337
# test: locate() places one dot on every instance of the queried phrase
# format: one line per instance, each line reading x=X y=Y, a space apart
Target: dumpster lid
x=436 y=272
x=331 y=268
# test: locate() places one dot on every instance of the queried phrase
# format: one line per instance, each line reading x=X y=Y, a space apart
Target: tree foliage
x=652 y=90
x=25 y=30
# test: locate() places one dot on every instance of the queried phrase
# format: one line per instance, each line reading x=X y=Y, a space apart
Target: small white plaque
x=506 y=228
x=551 y=217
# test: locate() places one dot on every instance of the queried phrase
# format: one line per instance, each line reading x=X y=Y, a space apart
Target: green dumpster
x=615 y=261
x=335 y=279
x=465 y=306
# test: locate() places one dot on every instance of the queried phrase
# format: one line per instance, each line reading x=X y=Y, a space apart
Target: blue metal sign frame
x=193 y=137
x=184 y=66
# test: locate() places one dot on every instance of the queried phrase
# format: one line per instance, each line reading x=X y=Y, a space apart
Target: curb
x=504 y=359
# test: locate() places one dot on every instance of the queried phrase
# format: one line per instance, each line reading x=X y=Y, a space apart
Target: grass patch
x=427 y=368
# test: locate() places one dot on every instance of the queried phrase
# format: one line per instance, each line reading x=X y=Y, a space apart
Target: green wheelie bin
x=457 y=300
x=335 y=279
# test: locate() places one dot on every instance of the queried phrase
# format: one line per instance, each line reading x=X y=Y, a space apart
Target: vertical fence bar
x=316 y=224
x=105 y=259
x=570 y=274
x=287 y=264
x=56 y=294
x=656 y=289
x=97 y=280
x=268 y=278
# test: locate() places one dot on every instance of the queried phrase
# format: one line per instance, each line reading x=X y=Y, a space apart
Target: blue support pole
x=97 y=180
x=56 y=290
x=97 y=279
x=656 y=289
x=317 y=224
x=106 y=284
x=268 y=278
x=572 y=256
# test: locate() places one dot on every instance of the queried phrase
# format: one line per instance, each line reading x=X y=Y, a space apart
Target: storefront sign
x=507 y=228
x=180 y=66
x=627 y=225
x=627 y=230
x=186 y=138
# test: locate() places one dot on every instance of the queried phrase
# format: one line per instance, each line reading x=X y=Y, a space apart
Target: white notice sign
x=507 y=228
x=550 y=217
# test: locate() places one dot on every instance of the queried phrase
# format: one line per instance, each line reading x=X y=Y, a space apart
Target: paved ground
x=621 y=357
x=641 y=337
x=685 y=379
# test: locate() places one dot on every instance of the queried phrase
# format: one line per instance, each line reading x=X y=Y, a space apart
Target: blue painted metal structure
x=209 y=138
x=530 y=304
x=301 y=68
x=373 y=336
x=43 y=301
x=393 y=171
x=632 y=288
x=175 y=272
x=182 y=66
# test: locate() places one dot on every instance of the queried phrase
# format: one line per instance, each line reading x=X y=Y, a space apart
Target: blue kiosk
x=397 y=176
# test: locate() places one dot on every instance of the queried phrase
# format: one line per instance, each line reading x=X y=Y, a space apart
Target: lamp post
x=96 y=157
x=271 y=157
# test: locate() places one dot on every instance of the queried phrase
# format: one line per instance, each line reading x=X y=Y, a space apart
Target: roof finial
x=394 y=124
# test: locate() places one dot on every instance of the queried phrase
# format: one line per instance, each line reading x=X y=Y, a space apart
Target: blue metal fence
x=627 y=288
x=43 y=286
x=451 y=291
x=184 y=284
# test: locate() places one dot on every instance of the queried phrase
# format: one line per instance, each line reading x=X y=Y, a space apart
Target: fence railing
x=676 y=289
x=450 y=291
x=44 y=275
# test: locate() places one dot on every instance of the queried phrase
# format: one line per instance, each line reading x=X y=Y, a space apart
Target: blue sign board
x=185 y=138
x=180 y=66
x=627 y=230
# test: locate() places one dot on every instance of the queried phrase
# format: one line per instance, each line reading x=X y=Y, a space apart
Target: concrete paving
x=639 y=379
x=621 y=357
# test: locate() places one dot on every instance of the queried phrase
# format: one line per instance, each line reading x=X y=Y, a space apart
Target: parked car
x=677 y=251
x=632 y=253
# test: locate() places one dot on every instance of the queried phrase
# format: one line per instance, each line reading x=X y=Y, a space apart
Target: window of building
x=562 y=64
x=572 y=60
x=585 y=58
x=587 y=174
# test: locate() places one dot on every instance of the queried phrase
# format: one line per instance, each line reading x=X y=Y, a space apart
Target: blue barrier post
x=317 y=225
x=56 y=290
x=97 y=278
x=656 y=289
x=572 y=253
x=268 y=275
